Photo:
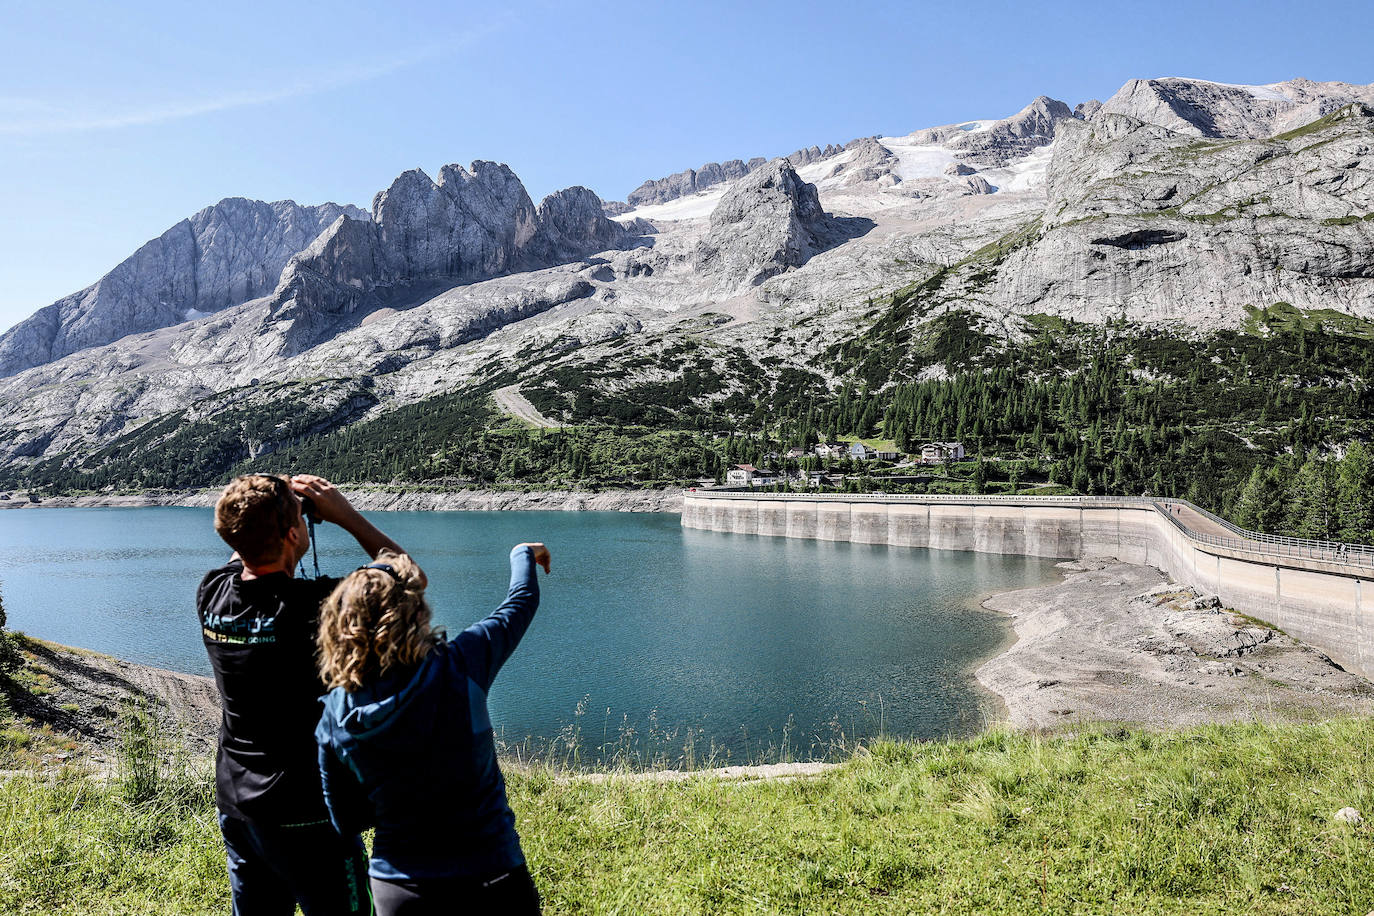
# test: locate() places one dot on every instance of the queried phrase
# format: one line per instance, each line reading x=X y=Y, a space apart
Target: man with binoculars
x=259 y=625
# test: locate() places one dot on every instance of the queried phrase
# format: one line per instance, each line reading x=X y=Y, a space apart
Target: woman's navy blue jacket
x=414 y=756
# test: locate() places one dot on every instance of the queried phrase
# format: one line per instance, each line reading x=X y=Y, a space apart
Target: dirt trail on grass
x=1121 y=643
x=84 y=695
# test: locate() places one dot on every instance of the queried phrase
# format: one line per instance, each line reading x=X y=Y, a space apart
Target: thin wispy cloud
x=32 y=117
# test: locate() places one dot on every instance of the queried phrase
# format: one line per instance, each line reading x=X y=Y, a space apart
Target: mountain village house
x=936 y=452
x=860 y=452
x=741 y=475
x=746 y=475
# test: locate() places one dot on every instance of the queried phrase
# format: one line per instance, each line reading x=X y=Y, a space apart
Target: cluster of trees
x=461 y=439
x=1311 y=497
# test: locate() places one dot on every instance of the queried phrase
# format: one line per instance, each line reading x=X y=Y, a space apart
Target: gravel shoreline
x=1115 y=642
x=370 y=500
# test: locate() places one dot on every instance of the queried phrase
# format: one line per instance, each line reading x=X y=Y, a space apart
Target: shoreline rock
x=1115 y=642
x=369 y=500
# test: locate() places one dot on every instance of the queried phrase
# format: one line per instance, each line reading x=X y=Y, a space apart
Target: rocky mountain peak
x=769 y=221
x=1145 y=221
x=572 y=220
x=1085 y=110
x=225 y=254
x=692 y=181
x=1011 y=138
x=1200 y=108
x=470 y=225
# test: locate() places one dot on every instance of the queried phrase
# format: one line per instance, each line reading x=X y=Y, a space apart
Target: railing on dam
x=1246 y=541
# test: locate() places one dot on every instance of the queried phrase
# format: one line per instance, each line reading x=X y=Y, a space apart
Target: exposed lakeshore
x=1117 y=642
x=402 y=500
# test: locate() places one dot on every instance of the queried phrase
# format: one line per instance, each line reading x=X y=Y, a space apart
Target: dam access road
x=1310 y=590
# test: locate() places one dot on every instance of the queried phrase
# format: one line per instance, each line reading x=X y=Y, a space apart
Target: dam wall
x=1311 y=590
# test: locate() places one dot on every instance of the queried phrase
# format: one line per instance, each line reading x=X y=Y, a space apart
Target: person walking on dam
x=406 y=743
x=259 y=624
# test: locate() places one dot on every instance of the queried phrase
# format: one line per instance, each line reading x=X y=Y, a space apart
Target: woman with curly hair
x=406 y=744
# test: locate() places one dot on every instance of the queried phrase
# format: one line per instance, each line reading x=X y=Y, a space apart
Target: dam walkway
x=1192 y=520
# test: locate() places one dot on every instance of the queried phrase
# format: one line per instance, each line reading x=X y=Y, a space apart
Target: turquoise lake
x=649 y=637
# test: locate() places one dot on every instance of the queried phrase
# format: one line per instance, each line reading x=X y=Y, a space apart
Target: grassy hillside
x=1221 y=819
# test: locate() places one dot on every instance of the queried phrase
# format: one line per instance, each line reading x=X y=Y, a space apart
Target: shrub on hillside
x=10 y=659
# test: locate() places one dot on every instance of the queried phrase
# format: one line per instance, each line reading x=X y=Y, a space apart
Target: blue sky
x=118 y=120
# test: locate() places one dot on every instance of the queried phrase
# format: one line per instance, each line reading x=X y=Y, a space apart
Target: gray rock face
x=811 y=154
x=1202 y=109
x=995 y=144
x=1153 y=225
x=426 y=236
x=1031 y=127
x=464 y=226
x=224 y=255
x=571 y=221
x=1083 y=111
x=869 y=160
x=768 y=222
x=690 y=181
x=976 y=184
x=682 y=184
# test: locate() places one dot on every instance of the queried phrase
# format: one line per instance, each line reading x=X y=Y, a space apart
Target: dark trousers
x=511 y=894
x=272 y=868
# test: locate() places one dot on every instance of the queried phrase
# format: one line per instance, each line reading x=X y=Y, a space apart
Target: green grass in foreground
x=1234 y=819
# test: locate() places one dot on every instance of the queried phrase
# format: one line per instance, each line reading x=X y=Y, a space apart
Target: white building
x=741 y=475
x=936 y=452
x=860 y=452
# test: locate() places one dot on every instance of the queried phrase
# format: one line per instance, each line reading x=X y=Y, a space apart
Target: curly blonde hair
x=373 y=622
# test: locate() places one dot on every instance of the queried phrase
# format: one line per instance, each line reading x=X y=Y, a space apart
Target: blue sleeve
x=349 y=809
x=488 y=643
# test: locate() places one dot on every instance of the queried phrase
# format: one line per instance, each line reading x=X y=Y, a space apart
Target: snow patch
x=915 y=161
x=822 y=167
x=703 y=203
x=694 y=206
x=194 y=314
x=1022 y=174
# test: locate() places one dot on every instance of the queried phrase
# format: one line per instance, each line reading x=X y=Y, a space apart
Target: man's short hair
x=254 y=514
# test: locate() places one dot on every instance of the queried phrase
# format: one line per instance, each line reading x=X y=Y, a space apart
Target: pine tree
x=1354 y=496
x=1311 y=509
x=1260 y=504
x=980 y=476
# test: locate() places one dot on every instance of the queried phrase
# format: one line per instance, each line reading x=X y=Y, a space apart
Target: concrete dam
x=1312 y=590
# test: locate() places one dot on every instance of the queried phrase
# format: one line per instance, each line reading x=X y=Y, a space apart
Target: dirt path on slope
x=510 y=400
x=85 y=695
